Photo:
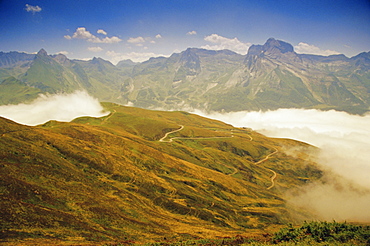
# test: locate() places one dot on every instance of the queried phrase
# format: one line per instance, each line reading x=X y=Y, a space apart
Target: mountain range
x=139 y=175
x=268 y=77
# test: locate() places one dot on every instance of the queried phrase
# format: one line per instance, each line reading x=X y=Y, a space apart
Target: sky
x=139 y=29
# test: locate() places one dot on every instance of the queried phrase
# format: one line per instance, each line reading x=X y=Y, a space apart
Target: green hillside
x=51 y=76
x=268 y=77
x=123 y=178
x=13 y=91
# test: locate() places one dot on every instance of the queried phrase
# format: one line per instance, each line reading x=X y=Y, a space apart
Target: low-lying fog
x=345 y=143
x=344 y=140
x=61 y=107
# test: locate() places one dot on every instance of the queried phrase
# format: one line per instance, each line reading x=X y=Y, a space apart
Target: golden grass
x=109 y=178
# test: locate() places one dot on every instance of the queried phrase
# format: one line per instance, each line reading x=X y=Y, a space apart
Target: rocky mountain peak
x=42 y=52
x=189 y=53
x=61 y=59
x=189 y=58
x=272 y=46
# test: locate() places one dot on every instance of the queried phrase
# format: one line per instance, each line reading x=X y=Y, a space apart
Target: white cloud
x=63 y=52
x=101 y=31
x=33 y=9
x=95 y=49
x=304 y=48
x=61 y=107
x=134 y=56
x=82 y=33
x=344 y=141
x=222 y=43
x=158 y=36
x=137 y=40
x=191 y=33
x=108 y=40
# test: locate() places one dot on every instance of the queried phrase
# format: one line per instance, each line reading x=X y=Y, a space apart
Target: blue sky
x=139 y=29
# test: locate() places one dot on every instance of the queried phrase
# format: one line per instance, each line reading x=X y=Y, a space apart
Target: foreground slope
x=111 y=178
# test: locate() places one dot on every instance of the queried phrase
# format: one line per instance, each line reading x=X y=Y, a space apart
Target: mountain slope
x=293 y=80
x=269 y=77
x=182 y=80
x=52 y=74
x=104 y=78
x=14 y=91
x=111 y=178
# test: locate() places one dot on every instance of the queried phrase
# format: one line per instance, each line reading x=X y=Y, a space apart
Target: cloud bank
x=33 y=9
x=344 y=140
x=191 y=33
x=60 y=107
x=304 y=48
x=221 y=43
x=82 y=33
x=136 y=40
x=95 y=49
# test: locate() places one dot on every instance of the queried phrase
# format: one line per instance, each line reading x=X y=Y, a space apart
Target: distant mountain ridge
x=270 y=76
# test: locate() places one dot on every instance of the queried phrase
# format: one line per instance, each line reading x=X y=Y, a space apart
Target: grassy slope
x=111 y=179
x=13 y=91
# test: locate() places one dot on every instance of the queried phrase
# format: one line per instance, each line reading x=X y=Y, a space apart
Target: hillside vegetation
x=111 y=179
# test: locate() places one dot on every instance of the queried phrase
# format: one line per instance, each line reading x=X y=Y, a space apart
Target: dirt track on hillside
x=273 y=177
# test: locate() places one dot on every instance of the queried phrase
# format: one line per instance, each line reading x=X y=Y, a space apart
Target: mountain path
x=273 y=177
x=168 y=133
x=110 y=115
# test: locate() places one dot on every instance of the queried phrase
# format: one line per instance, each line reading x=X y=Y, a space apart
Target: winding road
x=109 y=115
x=274 y=174
x=168 y=133
x=272 y=179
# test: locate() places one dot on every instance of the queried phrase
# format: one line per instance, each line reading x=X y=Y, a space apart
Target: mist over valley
x=343 y=139
x=60 y=107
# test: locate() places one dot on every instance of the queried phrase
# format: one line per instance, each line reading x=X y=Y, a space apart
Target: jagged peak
x=61 y=58
x=98 y=60
x=271 y=46
x=42 y=52
x=274 y=45
x=189 y=54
